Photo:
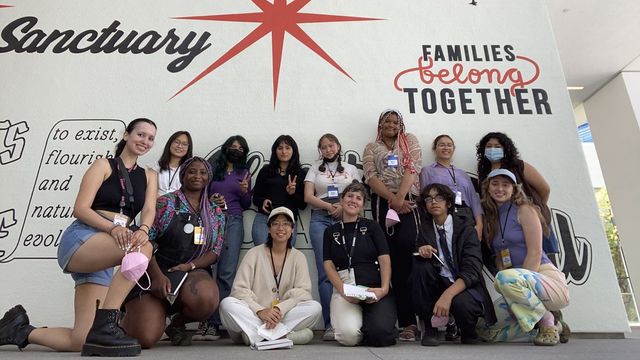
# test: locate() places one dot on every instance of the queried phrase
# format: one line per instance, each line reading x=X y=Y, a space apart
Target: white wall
x=614 y=115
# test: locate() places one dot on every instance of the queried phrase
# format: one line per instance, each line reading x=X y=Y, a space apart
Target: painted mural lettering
x=13 y=143
x=456 y=79
x=21 y=35
x=576 y=255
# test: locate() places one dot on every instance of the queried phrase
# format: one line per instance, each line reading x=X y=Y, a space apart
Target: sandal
x=547 y=336
x=409 y=333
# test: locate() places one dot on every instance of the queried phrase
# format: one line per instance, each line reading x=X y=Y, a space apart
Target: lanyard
x=452 y=173
x=503 y=228
x=331 y=173
x=190 y=209
x=277 y=278
x=171 y=177
x=353 y=241
x=123 y=185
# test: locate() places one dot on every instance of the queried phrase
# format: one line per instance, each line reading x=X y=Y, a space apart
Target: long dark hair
x=129 y=130
x=509 y=161
x=335 y=140
x=163 y=163
x=294 y=164
x=220 y=165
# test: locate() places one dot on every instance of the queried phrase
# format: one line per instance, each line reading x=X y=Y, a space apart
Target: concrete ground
x=576 y=348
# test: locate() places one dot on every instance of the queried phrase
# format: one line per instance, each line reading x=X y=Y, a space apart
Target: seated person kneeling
x=447 y=273
x=356 y=253
x=188 y=230
x=272 y=286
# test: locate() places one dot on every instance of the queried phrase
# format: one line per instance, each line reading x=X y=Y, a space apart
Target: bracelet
x=148 y=228
x=113 y=227
x=193 y=266
x=144 y=231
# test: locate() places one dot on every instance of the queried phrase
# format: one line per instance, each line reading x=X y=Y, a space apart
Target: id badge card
x=392 y=161
x=198 y=235
x=332 y=192
x=347 y=276
x=505 y=255
x=120 y=219
x=458 y=198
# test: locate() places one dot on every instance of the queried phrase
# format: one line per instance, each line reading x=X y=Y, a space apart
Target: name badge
x=392 y=161
x=120 y=219
x=198 y=235
x=332 y=192
x=505 y=255
x=458 y=198
x=347 y=276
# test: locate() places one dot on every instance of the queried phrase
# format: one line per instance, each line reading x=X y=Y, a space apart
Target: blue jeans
x=320 y=220
x=228 y=260
x=259 y=230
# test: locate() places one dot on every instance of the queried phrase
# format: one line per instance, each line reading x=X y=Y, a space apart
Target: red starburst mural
x=275 y=18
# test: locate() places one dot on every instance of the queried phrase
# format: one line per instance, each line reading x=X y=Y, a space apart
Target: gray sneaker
x=300 y=337
x=329 y=334
x=206 y=332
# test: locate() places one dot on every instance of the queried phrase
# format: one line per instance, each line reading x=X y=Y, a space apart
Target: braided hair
x=403 y=143
x=333 y=139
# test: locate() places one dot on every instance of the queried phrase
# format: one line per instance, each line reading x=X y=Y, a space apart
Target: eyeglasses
x=436 y=199
x=284 y=224
x=180 y=143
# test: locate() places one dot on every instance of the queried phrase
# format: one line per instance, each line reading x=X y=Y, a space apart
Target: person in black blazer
x=447 y=273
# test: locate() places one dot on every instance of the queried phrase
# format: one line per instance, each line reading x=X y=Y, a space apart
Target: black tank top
x=110 y=192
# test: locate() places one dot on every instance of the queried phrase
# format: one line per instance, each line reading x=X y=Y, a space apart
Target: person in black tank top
x=92 y=246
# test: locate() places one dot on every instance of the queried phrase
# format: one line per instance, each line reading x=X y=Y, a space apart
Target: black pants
x=402 y=244
x=428 y=286
x=379 y=322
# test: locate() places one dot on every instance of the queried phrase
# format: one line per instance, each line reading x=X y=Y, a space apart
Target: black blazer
x=467 y=258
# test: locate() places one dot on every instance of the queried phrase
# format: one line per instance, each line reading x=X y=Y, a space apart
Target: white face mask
x=494 y=154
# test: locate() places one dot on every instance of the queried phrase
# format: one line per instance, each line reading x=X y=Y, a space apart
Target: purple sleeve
x=470 y=194
x=424 y=177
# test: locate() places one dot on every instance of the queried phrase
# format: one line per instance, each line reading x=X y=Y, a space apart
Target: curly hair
x=442 y=190
x=492 y=217
x=509 y=161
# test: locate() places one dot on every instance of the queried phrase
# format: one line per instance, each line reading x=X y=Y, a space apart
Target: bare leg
x=65 y=339
x=101 y=252
x=145 y=319
x=198 y=296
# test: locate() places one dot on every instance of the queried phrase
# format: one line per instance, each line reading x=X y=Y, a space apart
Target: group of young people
x=414 y=268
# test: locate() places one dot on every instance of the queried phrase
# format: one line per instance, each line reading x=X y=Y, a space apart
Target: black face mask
x=330 y=160
x=234 y=155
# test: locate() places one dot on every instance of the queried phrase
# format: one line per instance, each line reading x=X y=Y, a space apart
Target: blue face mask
x=494 y=154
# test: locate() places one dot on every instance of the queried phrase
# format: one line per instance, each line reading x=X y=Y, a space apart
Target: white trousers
x=237 y=318
x=346 y=319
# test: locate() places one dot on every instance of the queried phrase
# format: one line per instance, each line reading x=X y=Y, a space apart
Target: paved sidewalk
x=582 y=349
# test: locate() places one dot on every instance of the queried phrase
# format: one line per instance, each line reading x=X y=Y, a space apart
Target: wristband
x=144 y=231
x=113 y=227
x=148 y=228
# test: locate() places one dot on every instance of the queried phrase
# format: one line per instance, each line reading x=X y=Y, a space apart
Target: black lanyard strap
x=353 y=241
x=503 y=228
x=277 y=278
x=125 y=184
x=452 y=173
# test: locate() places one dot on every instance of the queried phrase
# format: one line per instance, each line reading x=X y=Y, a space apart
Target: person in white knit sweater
x=272 y=288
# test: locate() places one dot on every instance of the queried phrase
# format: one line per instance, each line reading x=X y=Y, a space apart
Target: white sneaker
x=300 y=337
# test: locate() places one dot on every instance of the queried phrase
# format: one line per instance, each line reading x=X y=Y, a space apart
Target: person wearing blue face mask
x=496 y=150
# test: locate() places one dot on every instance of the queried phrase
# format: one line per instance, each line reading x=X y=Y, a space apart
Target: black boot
x=429 y=335
x=107 y=338
x=15 y=327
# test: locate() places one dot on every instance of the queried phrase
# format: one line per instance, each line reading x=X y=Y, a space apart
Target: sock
x=547 y=319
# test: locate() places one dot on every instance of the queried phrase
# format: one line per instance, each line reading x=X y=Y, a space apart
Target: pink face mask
x=133 y=266
x=392 y=218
